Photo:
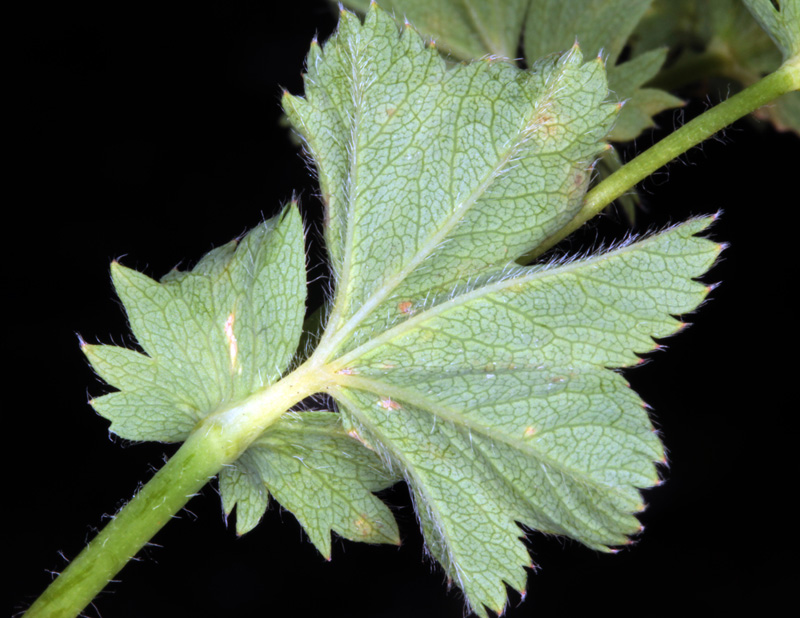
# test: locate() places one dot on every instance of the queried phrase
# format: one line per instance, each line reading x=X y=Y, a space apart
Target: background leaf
x=716 y=39
x=781 y=21
x=462 y=29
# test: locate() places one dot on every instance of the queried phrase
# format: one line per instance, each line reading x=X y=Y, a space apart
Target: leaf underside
x=468 y=30
x=487 y=386
x=320 y=474
x=781 y=23
x=211 y=336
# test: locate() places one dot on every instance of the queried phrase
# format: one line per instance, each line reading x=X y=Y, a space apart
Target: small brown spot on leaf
x=388 y=404
x=406 y=307
x=579 y=179
x=364 y=526
x=391 y=111
x=530 y=431
x=357 y=436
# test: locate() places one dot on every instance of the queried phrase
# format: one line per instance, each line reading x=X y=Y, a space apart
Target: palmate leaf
x=212 y=336
x=320 y=474
x=486 y=385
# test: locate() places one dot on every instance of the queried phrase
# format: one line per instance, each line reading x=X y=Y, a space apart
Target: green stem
x=785 y=79
x=217 y=441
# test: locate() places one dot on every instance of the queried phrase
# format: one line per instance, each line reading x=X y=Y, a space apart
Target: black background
x=153 y=135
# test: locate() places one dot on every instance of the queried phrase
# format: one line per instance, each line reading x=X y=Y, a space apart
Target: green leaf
x=462 y=29
x=627 y=82
x=499 y=405
x=781 y=22
x=495 y=159
x=720 y=37
x=603 y=27
x=319 y=473
x=487 y=385
x=211 y=336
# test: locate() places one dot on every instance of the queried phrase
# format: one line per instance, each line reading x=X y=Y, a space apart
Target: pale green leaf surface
x=241 y=486
x=603 y=27
x=463 y=29
x=485 y=384
x=212 y=336
x=496 y=158
x=318 y=472
x=498 y=405
x=782 y=23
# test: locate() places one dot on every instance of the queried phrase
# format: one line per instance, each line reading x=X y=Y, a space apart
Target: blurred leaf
x=781 y=21
x=462 y=29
